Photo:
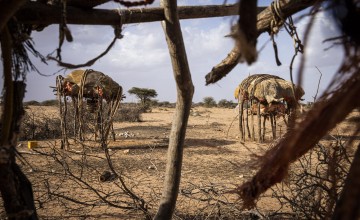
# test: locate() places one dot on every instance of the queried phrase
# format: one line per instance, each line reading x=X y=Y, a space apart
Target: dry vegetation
x=66 y=184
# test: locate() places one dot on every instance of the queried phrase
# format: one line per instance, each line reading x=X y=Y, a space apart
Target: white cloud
x=200 y=41
x=141 y=48
x=142 y=59
x=322 y=29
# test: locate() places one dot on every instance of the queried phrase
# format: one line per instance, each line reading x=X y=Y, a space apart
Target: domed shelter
x=93 y=87
x=265 y=95
x=94 y=84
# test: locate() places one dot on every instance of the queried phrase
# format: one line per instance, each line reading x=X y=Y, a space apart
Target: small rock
x=241 y=176
x=195 y=191
x=151 y=167
x=126 y=151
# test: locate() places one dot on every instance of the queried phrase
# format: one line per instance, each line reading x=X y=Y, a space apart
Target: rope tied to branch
x=117 y=33
x=277 y=17
x=64 y=31
x=275 y=24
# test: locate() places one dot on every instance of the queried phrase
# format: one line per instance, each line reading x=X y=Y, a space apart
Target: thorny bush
x=316 y=180
x=129 y=113
x=37 y=125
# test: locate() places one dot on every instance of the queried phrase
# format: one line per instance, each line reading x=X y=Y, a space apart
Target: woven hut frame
x=276 y=95
x=93 y=87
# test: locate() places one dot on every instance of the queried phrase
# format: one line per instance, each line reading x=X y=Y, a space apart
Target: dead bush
x=40 y=127
x=316 y=181
x=129 y=113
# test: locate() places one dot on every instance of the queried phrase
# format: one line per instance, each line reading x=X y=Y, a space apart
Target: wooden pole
x=35 y=12
x=252 y=121
x=76 y=114
x=264 y=128
x=65 y=138
x=259 y=121
x=247 y=118
x=241 y=115
x=273 y=125
x=185 y=91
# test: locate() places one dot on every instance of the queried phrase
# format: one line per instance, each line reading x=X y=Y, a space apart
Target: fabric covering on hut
x=93 y=87
x=96 y=83
x=268 y=88
x=268 y=96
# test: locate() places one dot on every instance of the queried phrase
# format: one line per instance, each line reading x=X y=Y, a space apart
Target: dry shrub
x=223 y=103
x=129 y=113
x=315 y=182
x=165 y=104
x=40 y=127
x=66 y=185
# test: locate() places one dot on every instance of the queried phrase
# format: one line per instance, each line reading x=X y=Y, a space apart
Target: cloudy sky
x=141 y=58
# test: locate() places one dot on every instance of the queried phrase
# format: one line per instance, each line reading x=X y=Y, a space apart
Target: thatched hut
x=265 y=91
x=95 y=84
x=93 y=87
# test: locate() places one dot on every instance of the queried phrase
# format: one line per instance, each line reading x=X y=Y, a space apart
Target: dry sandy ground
x=214 y=162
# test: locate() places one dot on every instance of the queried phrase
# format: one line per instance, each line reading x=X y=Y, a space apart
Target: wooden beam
x=7 y=10
x=38 y=13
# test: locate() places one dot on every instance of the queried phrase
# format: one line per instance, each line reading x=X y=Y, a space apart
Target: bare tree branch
x=264 y=18
x=34 y=13
x=317 y=89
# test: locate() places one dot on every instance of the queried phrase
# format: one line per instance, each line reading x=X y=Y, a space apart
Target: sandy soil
x=66 y=184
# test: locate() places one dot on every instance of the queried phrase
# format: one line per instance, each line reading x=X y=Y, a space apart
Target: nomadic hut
x=271 y=94
x=93 y=87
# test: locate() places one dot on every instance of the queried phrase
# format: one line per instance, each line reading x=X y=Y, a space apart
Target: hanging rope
x=275 y=24
x=277 y=21
x=64 y=31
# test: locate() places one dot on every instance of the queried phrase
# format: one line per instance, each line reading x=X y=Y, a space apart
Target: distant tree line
x=146 y=101
x=208 y=102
